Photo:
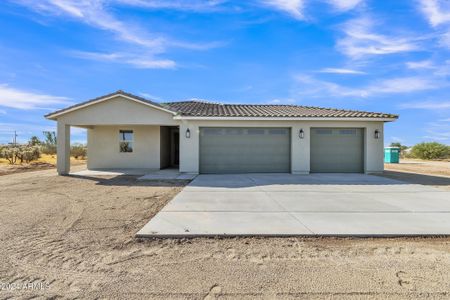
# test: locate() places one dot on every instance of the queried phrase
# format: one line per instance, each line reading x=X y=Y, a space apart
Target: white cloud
x=344 y=5
x=361 y=40
x=96 y=14
x=192 y=5
x=140 y=61
x=402 y=85
x=437 y=12
x=423 y=64
x=20 y=99
x=341 y=71
x=150 y=96
x=292 y=7
x=431 y=105
x=281 y=101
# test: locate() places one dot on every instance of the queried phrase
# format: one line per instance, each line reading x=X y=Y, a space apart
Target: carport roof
x=200 y=108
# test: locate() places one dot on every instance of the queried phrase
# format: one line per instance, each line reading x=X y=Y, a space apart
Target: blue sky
x=389 y=56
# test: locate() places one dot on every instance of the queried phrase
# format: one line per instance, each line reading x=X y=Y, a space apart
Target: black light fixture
x=188 y=133
x=377 y=134
x=301 y=134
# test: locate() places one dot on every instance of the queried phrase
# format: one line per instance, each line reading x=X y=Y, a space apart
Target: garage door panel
x=337 y=150
x=244 y=150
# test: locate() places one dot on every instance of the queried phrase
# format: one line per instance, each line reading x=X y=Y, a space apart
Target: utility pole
x=15 y=139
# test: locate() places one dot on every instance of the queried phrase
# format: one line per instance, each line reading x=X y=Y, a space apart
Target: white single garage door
x=337 y=150
x=245 y=150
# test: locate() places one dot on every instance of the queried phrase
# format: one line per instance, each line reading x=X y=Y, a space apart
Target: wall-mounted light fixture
x=377 y=134
x=188 y=133
x=301 y=134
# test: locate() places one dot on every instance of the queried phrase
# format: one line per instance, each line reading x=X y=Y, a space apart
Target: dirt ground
x=73 y=237
x=46 y=162
x=433 y=173
x=421 y=166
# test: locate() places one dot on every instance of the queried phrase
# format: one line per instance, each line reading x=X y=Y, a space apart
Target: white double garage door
x=268 y=150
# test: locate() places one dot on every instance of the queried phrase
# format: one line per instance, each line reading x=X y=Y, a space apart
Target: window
x=348 y=131
x=126 y=140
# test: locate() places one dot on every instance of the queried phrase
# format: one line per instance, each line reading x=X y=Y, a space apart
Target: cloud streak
x=20 y=99
x=360 y=40
x=95 y=13
x=293 y=7
x=344 y=5
x=341 y=71
x=140 y=61
x=401 y=85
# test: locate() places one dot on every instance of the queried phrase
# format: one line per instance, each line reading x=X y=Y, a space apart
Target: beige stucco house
x=127 y=131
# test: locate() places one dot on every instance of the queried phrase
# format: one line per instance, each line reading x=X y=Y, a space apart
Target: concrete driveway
x=288 y=205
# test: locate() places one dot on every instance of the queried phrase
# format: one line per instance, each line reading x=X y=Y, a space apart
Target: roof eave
x=54 y=115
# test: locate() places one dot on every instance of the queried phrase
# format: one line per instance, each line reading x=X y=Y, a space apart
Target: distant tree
x=34 y=141
x=431 y=150
x=49 y=145
x=403 y=148
x=50 y=137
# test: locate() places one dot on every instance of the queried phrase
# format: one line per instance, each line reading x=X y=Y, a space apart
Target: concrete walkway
x=145 y=174
x=287 y=205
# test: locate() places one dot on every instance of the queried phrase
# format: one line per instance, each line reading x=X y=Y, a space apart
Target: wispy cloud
x=344 y=5
x=312 y=86
x=281 y=101
x=140 y=61
x=20 y=99
x=423 y=64
x=96 y=14
x=437 y=12
x=192 y=5
x=341 y=71
x=360 y=40
x=292 y=7
x=431 y=105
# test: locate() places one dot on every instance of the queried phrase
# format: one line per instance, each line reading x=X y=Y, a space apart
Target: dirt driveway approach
x=74 y=237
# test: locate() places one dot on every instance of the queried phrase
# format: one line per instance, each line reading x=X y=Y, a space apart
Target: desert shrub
x=48 y=149
x=28 y=153
x=78 y=151
x=20 y=154
x=431 y=150
x=10 y=154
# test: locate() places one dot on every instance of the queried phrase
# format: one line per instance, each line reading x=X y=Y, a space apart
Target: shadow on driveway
x=418 y=178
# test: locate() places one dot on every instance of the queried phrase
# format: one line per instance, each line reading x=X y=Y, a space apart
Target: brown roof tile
x=197 y=108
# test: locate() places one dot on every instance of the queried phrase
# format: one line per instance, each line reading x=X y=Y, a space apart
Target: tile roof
x=197 y=108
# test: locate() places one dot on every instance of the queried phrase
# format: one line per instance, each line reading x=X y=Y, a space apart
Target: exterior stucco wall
x=118 y=111
x=103 y=148
x=300 y=148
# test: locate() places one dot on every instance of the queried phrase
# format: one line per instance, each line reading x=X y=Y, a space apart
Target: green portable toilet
x=392 y=155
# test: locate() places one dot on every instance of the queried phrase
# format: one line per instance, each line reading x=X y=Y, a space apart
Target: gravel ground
x=74 y=238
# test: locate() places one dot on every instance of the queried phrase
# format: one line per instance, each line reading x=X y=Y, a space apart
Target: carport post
x=63 y=148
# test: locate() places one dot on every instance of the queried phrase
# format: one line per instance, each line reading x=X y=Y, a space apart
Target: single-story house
x=127 y=131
